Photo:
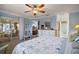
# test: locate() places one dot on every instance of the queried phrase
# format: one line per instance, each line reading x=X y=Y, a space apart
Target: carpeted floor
x=11 y=45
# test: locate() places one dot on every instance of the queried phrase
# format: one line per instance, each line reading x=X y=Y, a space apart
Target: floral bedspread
x=46 y=43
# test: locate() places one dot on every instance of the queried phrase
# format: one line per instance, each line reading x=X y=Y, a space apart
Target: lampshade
x=77 y=27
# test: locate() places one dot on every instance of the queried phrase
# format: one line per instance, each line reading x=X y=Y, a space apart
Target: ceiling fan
x=35 y=8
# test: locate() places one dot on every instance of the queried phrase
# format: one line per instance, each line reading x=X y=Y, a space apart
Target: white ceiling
x=50 y=9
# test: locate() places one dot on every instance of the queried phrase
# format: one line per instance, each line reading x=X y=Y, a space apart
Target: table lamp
x=77 y=27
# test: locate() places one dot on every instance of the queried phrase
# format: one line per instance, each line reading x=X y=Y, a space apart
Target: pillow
x=77 y=39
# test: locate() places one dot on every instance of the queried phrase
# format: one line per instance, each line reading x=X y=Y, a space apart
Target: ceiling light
x=34 y=11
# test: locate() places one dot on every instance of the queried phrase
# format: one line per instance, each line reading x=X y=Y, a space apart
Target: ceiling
x=51 y=9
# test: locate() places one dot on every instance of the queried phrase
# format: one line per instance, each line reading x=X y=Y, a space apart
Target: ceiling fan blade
x=42 y=11
x=26 y=11
x=28 y=5
x=41 y=6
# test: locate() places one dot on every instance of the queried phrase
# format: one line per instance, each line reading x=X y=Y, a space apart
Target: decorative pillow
x=77 y=39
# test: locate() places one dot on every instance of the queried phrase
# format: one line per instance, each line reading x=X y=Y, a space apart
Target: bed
x=45 y=43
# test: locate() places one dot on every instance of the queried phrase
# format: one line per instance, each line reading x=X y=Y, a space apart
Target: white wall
x=73 y=20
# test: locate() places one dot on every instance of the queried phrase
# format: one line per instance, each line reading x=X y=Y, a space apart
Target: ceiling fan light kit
x=34 y=12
